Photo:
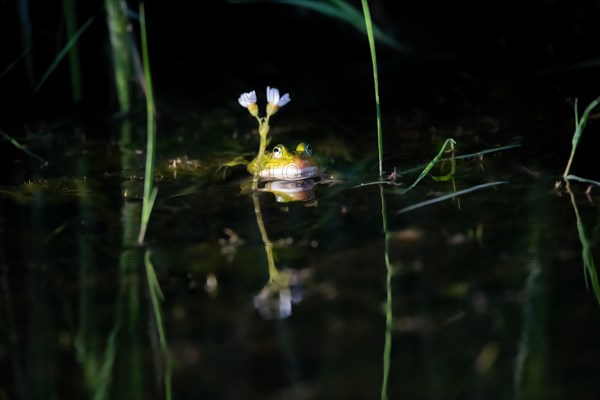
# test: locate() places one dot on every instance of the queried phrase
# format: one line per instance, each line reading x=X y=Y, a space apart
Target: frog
x=282 y=164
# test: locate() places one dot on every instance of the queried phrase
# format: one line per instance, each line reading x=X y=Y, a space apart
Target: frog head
x=282 y=164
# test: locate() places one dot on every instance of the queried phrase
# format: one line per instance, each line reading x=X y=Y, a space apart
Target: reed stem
x=116 y=15
x=371 y=37
x=71 y=22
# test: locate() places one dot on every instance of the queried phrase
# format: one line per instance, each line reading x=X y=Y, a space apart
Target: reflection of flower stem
x=273 y=272
x=586 y=251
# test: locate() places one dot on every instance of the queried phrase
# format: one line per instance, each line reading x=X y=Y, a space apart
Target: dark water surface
x=488 y=291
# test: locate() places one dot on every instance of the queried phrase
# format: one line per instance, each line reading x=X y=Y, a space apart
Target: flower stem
x=263 y=131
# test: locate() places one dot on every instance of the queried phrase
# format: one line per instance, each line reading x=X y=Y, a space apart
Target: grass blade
x=341 y=10
x=436 y=159
x=72 y=40
x=26 y=37
x=579 y=125
x=12 y=64
x=117 y=21
x=21 y=147
x=149 y=189
x=369 y=27
x=449 y=196
x=71 y=22
x=584 y=180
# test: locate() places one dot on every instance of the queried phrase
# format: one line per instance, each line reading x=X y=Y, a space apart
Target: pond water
x=485 y=292
x=354 y=291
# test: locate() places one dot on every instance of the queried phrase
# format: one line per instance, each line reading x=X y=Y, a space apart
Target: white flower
x=246 y=99
x=273 y=97
x=275 y=101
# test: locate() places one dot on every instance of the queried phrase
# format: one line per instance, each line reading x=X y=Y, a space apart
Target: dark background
x=523 y=61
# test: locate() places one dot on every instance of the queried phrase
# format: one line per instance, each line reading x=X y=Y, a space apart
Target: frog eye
x=304 y=148
x=308 y=149
x=277 y=152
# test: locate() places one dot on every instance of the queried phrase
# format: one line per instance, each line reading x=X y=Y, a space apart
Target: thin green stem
x=387 y=349
x=579 y=126
x=21 y=147
x=436 y=159
x=263 y=131
x=26 y=38
x=12 y=64
x=72 y=41
x=117 y=21
x=369 y=26
x=149 y=190
x=388 y=318
x=71 y=22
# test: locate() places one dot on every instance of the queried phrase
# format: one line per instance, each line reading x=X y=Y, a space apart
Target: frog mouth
x=288 y=172
x=286 y=191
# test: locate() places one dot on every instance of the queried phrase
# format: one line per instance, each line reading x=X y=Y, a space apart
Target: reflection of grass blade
x=579 y=125
x=341 y=10
x=389 y=317
x=149 y=190
x=9 y=331
x=586 y=249
x=449 y=196
x=21 y=147
x=72 y=40
x=156 y=296
x=531 y=361
x=448 y=142
x=100 y=382
x=584 y=180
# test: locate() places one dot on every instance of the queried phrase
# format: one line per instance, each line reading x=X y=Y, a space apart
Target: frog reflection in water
x=284 y=165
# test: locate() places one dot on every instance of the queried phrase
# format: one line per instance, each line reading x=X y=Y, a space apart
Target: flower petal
x=284 y=100
x=247 y=98
x=272 y=95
